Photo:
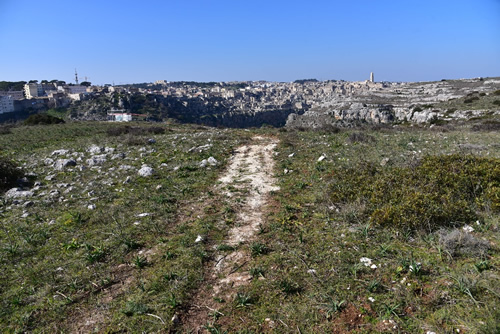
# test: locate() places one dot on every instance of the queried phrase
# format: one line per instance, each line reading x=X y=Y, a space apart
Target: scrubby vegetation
x=438 y=191
x=9 y=174
x=394 y=229
x=40 y=119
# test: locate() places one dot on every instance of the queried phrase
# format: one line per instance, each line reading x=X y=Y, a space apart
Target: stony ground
x=169 y=228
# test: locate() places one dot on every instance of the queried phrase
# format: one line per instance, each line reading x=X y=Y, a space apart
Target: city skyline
x=126 y=42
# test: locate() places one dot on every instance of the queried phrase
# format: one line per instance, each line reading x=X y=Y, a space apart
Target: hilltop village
x=307 y=103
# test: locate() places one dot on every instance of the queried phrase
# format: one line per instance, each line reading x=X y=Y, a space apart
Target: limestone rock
x=146 y=171
x=61 y=164
x=18 y=193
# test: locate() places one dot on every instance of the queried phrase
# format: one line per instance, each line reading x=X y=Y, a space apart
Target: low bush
x=438 y=191
x=471 y=99
x=487 y=126
x=460 y=243
x=9 y=174
x=134 y=130
x=42 y=119
x=360 y=137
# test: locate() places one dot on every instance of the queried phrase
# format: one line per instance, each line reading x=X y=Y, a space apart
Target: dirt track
x=248 y=180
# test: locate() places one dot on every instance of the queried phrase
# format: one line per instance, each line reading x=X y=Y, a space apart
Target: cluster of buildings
x=263 y=95
x=35 y=95
x=252 y=96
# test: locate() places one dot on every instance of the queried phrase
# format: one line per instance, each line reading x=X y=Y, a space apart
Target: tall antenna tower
x=76 y=77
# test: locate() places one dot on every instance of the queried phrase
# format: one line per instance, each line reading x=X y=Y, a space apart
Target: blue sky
x=142 y=41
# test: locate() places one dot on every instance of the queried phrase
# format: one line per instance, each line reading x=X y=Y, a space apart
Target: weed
x=258 y=248
x=257 y=272
x=73 y=244
x=140 y=262
x=482 y=265
x=289 y=287
x=213 y=329
x=333 y=306
x=365 y=230
x=243 y=300
x=373 y=285
x=132 y=308
x=390 y=310
x=172 y=301
x=171 y=276
x=94 y=253
x=225 y=248
x=466 y=285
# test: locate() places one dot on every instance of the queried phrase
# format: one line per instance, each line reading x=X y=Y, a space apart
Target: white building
x=16 y=94
x=78 y=89
x=6 y=104
x=32 y=90
x=120 y=117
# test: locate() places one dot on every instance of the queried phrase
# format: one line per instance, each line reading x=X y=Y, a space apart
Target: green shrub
x=471 y=99
x=9 y=174
x=42 y=119
x=439 y=191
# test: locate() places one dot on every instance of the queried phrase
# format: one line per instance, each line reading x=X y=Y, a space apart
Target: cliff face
x=413 y=102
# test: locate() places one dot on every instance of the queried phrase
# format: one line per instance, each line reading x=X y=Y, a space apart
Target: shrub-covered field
x=390 y=230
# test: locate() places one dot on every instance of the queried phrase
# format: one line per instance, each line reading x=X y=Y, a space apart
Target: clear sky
x=131 y=41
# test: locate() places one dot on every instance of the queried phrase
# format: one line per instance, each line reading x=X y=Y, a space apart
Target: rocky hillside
x=404 y=102
x=304 y=104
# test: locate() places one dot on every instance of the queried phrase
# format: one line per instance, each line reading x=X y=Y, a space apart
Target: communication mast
x=76 y=77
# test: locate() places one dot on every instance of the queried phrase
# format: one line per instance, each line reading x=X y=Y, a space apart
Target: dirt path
x=247 y=181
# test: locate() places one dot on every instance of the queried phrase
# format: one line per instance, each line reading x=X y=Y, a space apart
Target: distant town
x=19 y=96
x=248 y=103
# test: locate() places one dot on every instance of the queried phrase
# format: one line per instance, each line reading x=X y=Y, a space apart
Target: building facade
x=6 y=104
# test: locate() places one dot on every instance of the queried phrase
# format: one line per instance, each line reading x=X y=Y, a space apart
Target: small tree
x=86 y=83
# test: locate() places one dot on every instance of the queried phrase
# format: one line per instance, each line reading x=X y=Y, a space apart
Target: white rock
x=212 y=161
x=125 y=167
x=468 y=228
x=366 y=261
x=199 y=238
x=371 y=299
x=311 y=271
x=48 y=161
x=145 y=214
x=146 y=171
x=291 y=155
x=91 y=207
x=321 y=158
x=18 y=193
x=94 y=149
x=60 y=152
x=61 y=164
x=118 y=156
x=97 y=160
